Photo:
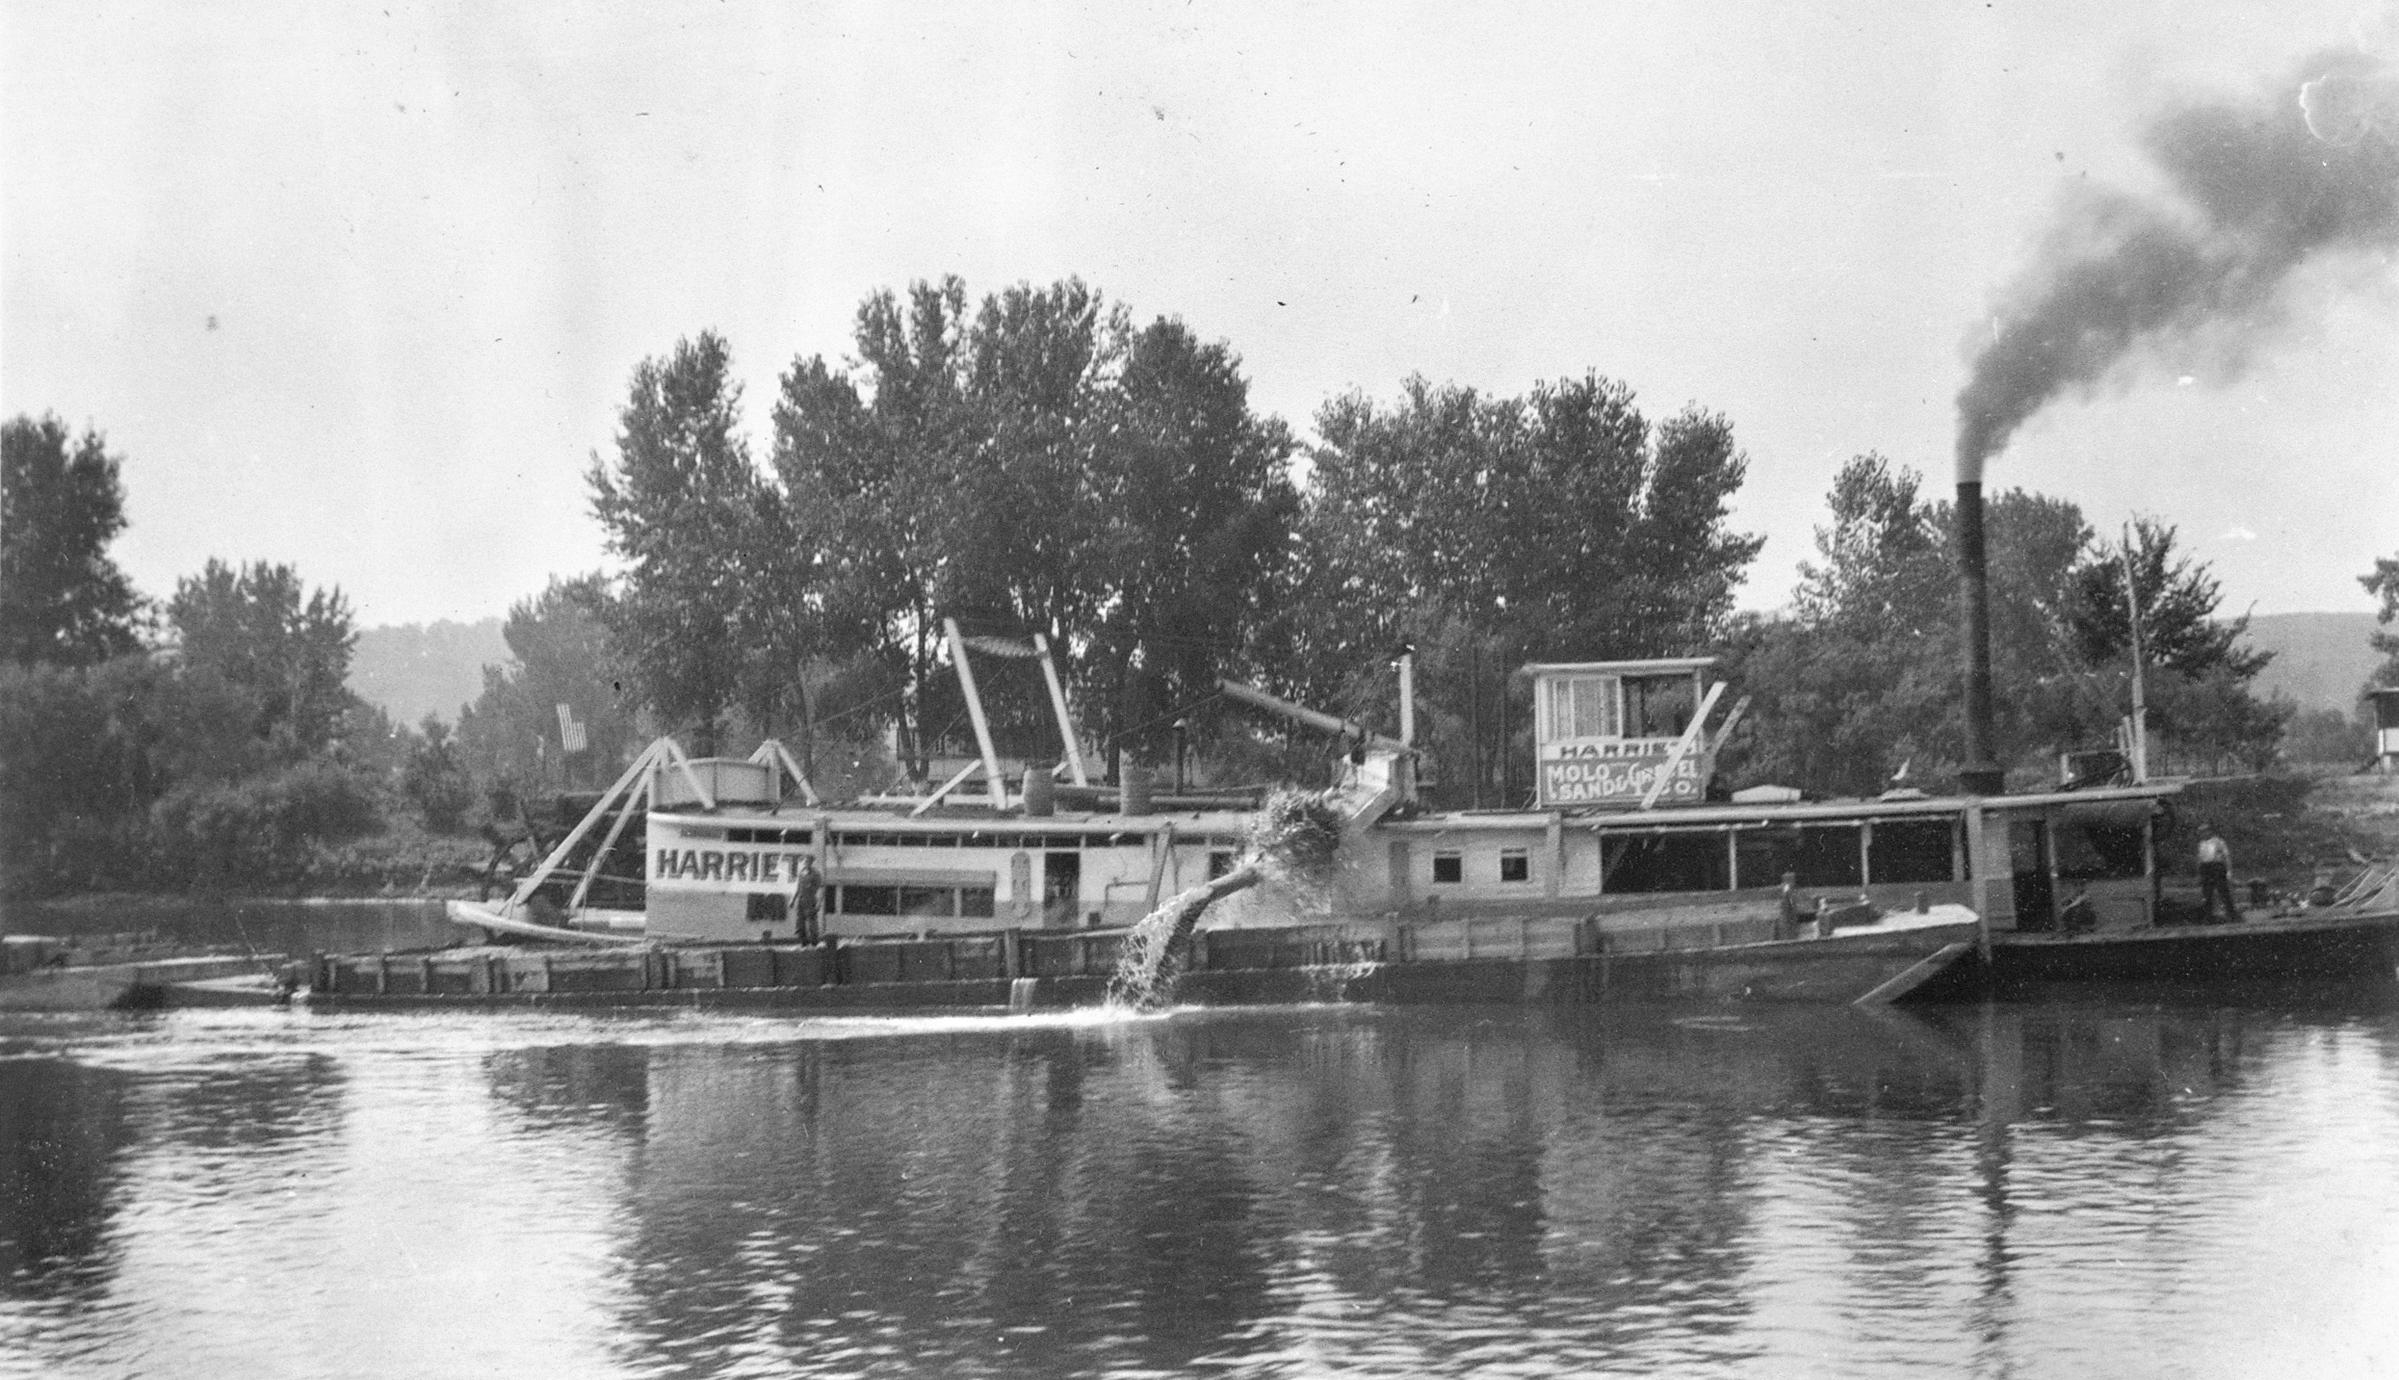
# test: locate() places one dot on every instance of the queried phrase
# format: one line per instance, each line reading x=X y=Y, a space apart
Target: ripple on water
x=2035 y=1191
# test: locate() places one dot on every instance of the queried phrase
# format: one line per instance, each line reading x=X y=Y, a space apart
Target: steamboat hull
x=2322 y=953
x=1020 y=971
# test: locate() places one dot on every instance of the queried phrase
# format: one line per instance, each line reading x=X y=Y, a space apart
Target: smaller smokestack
x=1980 y=774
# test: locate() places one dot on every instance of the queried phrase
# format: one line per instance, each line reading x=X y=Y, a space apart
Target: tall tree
x=2383 y=583
x=1191 y=504
x=1564 y=517
x=63 y=601
x=286 y=647
x=680 y=505
x=1488 y=531
x=560 y=654
x=1861 y=678
x=2178 y=601
x=1038 y=467
x=866 y=475
x=1882 y=558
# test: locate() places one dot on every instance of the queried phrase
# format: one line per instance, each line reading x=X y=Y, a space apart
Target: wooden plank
x=1932 y=966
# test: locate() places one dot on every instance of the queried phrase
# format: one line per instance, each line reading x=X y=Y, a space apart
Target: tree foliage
x=1039 y=467
x=284 y=647
x=561 y=653
x=683 y=506
x=1563 y=520
x=220 y=762
x=2383 y=583
x=1862 y=679
x=435 y=780
x=140 y=771
x=1488 y=531
x=63 y=602
x=2177 y=599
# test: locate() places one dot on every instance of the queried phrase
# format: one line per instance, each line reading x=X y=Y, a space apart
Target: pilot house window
x=1583 y=707
x=1620 y=706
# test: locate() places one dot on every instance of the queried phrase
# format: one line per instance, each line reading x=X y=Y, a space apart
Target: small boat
x=108 y=972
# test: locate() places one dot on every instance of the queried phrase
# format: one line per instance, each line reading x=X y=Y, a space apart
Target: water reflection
x=62 y=1129
x=1998 y=1190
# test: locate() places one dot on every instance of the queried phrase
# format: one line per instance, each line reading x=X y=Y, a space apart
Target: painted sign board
x=725 y=867
x=1617 y=774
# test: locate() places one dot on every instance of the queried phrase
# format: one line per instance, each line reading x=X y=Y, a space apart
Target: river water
x=2111 y=1189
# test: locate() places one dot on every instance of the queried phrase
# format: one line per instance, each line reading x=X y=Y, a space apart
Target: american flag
x=570 y=733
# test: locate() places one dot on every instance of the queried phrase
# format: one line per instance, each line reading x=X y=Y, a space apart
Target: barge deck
x=1533 y=960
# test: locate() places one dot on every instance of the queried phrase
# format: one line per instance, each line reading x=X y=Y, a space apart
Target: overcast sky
x=360 y=287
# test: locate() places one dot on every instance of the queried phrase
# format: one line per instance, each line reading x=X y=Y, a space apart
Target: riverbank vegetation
x=1041 y=469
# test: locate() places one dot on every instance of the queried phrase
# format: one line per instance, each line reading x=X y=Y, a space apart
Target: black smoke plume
x=2257 y=190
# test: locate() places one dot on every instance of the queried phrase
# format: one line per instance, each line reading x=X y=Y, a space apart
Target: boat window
x=1448 y=867
x=1582 y=707
x=869 y=900
x=1912 y=850
x=768 y=908
x=2094 y=851
x=1220 y=861
x=1657 y=706
x=975 y=901
x=928 y=900
x=1515 y=865
x=1819 y=855
x=1694 y=860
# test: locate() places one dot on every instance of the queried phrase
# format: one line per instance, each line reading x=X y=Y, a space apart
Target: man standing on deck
x=804 y=891
x=2215 y=874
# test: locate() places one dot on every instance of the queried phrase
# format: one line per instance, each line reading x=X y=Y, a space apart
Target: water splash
x=1294 y=836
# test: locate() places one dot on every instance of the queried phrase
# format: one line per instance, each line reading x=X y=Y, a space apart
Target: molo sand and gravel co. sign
x=1619 y=773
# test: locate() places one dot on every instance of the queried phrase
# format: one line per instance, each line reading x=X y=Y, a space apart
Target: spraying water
x=1294 y=836
x=2257 y=190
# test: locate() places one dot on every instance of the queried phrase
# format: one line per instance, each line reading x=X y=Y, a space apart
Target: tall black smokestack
x=1981 y=773
x=2309 y=174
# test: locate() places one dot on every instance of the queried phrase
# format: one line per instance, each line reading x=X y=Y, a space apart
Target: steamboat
x=1625 y=877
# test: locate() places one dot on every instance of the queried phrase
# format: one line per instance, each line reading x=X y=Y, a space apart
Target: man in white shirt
x=2215 y=874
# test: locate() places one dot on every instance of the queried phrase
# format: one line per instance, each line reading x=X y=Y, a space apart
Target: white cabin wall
x=1581 y=876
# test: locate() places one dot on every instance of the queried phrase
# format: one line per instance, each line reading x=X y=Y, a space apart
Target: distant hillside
x=2320 y=659
x=414 y=669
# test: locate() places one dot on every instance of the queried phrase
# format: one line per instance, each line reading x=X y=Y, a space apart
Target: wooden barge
x=1563 y=959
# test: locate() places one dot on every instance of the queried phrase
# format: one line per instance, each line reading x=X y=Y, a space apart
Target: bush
x=260 y=830
x=2328 y=736
x=435 y=781
x=403 y=859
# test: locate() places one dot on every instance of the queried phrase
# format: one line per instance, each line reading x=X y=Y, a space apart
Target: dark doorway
x=1061 y=887
x=2028 y=858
